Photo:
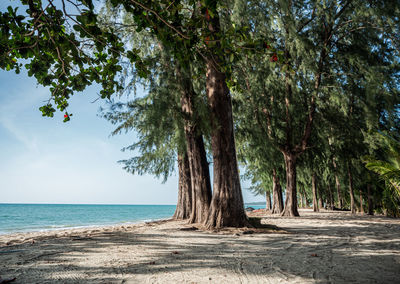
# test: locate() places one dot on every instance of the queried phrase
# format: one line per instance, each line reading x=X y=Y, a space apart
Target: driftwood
x=3 y=281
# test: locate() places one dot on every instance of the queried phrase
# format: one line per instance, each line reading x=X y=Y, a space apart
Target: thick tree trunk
x=277 y=206
x=291 y=191
x=227 y=208
x=184 y=204
x=314 y=192
x=361 y=202
x=199 y=171
x=351 y=191
x=268 y=201
x=370 y=204
x=200 y=175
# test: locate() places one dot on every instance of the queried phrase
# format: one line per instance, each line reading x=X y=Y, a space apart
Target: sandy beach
x=325 y=247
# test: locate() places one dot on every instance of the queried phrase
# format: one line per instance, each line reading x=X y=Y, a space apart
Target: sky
x=43 y=160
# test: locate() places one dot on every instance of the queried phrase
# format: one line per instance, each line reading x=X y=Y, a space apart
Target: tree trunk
x=184 y=204
x=338 y=191
x=201 y=197
x=320 y=201
x=370 y=205
x=276 y=194
x=268 y=200
x=227 y=208
x=352 y=205
x=361 y=202
x=305 y=198
x=199 y=171
x=291 y=191
x=331 y=200
x=314 y=192
x=301 y=198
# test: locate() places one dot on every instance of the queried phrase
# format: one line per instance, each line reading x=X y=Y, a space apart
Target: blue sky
x=43 y=160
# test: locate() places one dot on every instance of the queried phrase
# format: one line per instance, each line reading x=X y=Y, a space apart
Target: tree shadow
x=335 y=253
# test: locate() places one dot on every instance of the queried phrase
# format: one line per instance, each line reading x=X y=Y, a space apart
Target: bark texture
x=291 y=192
x=227 y=208
x=198 y=164
x=200 y=176
x=277 y=205
x=314 y=191
x=184 y=204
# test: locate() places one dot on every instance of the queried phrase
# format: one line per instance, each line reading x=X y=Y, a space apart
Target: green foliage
x=388 y=167
x=63 y=52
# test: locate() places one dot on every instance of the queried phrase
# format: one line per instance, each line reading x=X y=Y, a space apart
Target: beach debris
x=3 y=281
x=248 y=232
x=189 y=229
x=152 y=262
x=175 y=252
x=314 y=254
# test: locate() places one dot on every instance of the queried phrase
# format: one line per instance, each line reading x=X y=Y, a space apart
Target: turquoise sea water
x=41 y=217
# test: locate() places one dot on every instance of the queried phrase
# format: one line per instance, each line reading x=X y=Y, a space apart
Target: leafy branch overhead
x=62 y=47
x=65 y=47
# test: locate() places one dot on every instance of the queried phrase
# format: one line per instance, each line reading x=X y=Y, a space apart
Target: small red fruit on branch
x=207 y=15
x=65 y=115
x=266 y=45
x=274 y=58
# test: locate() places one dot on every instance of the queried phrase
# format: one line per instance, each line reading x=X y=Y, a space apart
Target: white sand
x=326 y=247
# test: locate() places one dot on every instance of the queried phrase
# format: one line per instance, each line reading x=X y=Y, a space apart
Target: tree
x=167 y=83
x=303 y=33
x=388 y=168
x=182 y=26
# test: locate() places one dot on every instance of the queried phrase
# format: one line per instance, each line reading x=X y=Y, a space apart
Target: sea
x=19 y=218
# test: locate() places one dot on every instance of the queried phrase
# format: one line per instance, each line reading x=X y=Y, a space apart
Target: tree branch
x=160 y=18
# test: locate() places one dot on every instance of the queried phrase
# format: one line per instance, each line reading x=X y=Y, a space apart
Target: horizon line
x=128 y=204
x=46 y=203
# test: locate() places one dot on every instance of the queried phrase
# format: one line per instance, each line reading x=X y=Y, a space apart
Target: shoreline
x=97 y=226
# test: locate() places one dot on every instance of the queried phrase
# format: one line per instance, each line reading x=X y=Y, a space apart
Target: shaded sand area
x=326 y=247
